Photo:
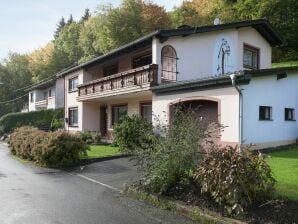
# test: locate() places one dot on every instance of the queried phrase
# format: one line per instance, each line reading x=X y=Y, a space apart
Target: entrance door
x=103 y=120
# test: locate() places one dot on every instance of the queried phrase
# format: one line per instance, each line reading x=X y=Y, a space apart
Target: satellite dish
x=217 y=21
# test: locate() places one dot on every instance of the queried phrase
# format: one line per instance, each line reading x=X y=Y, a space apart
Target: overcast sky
x=28 y=24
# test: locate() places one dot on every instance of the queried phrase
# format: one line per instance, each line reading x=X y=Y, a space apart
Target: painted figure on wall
x=224 y=56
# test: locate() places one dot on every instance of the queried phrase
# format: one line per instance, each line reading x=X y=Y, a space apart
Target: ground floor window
x=289 y=114
x=118 y=112
x=265 y=113
x=146 y=111
x=73 y=117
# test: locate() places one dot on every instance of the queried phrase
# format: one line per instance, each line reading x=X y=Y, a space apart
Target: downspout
x=240 y=134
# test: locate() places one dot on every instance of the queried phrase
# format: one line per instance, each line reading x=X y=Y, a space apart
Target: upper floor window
x=146 y=111
x=251 y=57
x=289 y=114
x=265 y=113
x=31 y=97
x=73 y=84
x=118 y=113
x=110 y=70
x=168 y=64
x=142 y=60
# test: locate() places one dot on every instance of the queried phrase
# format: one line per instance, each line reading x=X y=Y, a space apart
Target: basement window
x=289 y=114
x=265 y=113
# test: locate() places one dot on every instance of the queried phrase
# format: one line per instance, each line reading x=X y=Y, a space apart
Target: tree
x=70 y=20
x=88 y=39
x=186 y=14
x=130 y=21
x=154 y=17
x=60 y=26
x=86 y=15
x=67 y=51
x=40 y=62
x=15 y=74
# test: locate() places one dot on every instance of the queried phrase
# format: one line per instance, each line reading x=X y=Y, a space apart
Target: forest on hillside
x=109 y=27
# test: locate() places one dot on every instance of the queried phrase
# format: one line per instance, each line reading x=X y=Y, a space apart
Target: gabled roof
x=262 y=26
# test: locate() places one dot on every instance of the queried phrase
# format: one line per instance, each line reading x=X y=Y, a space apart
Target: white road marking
x=97 y=182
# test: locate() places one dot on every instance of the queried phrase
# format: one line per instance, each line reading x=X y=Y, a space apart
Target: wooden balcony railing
x=145 y=76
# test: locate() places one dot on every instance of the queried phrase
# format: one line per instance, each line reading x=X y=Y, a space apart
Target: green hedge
x=34 y=118
x=50 y=149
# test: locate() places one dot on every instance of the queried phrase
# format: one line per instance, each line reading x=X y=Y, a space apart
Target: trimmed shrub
x=91 y=137
x=50 y=149
x=34 y=118
x=133 y=133
x=235 y=180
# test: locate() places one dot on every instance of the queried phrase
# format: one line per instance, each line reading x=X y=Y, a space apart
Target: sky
x=30 y=24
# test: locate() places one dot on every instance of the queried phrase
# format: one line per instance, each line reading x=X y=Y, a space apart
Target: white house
x=46 y=95
x=224 y=69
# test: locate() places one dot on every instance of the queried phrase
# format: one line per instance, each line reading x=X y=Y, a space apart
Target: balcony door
x=103 y=120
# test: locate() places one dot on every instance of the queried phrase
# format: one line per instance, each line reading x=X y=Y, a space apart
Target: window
x=118 y=112
x=50 y=93
x=73 y=84
x=250 y=57
x=110 y=70
x=168 y=64
x=142 y=60
x=45 y=95
x=146 y=111
x=73 y=117
x=31 y=97
x=289 y=114
x=265 y=113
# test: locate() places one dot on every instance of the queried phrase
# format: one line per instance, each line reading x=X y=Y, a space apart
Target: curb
x=194 y=213
x=86 y=161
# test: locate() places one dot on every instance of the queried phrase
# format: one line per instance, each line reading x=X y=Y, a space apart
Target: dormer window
x=250 y=57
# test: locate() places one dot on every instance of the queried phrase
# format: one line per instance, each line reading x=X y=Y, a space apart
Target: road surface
x=87 y=195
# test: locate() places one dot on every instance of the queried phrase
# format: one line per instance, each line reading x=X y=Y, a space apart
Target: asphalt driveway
x=86 y=195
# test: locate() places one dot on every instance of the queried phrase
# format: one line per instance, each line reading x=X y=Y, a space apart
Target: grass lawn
x=102 y=151
x=284 y=165
x=285 y=64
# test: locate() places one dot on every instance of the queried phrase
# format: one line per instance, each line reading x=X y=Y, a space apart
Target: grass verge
x=284 y=165
x=97 y=151
x=192 y=212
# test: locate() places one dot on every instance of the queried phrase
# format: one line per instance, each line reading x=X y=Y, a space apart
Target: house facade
x=46 y=95
x=225 y=70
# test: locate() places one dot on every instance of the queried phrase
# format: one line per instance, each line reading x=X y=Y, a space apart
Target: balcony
x=51 y=102
x=41 y=104
x=135 y=80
